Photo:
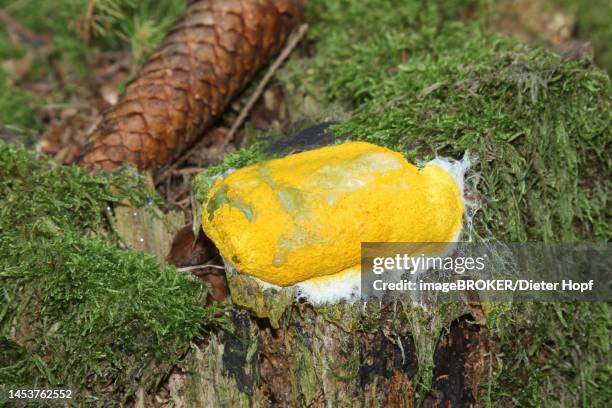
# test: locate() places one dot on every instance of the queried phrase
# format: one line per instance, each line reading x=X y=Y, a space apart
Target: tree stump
x=289 y=353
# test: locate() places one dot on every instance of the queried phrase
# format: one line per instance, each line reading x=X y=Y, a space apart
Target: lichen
x=265 y=303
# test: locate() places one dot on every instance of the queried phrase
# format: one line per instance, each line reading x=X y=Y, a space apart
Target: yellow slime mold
x=304 y=216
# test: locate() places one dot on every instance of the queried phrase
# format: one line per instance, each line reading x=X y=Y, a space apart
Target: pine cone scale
x=211 y=52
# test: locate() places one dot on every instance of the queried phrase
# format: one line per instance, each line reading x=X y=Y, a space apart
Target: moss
x=78 y=311
x=17 y=110
x=108 y=24
x=419 y=79
x=373 y=36
x=538 y=127
x=553 y=354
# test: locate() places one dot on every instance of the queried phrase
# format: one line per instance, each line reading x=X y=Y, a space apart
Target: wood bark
x=211 y=52
x=283 y=353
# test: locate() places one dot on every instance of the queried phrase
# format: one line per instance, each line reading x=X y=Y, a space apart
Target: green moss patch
x=73 y=26
x=76 y=310
x=551 y=354
x=538 y=129
x=17 y=110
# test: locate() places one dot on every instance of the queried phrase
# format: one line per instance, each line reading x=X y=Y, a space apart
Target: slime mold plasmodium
x=300 y=220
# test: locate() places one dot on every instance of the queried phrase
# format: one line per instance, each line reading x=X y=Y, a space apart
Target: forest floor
x=523 y=86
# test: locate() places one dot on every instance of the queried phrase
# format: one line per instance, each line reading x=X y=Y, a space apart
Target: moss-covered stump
x=537 y=126
x=283 y=352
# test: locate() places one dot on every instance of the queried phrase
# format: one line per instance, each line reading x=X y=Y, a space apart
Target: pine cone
x=210 y=53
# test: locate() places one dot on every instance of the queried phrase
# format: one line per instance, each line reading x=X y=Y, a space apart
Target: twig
x=188 y=170
x=17 y=32
x=54 y=106
x=193 y=268
x=291 y=44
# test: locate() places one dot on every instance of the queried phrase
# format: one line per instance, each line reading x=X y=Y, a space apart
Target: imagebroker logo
x=461 y=285
x=496 y=271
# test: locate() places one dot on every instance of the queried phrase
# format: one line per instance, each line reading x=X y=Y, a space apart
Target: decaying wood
x=282 y=353
x=459 y=365
x=317 y=359
x=210 y=53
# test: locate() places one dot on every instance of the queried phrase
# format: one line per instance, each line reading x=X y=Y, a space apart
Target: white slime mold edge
x=346 y=285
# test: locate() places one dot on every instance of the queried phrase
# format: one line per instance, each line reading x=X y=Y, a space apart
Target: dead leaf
x=147 y=229
x=109 y=94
